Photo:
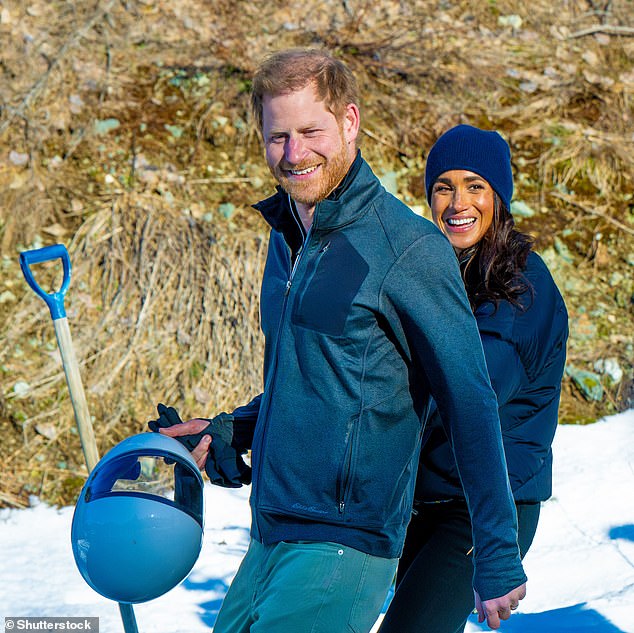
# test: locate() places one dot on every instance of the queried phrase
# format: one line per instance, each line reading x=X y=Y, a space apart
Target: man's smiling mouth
x=302 y=172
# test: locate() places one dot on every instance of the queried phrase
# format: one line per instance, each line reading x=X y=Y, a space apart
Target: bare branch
x=608 y=29
x=594 y=212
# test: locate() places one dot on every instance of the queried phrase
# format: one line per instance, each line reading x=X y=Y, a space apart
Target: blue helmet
x=138 y=523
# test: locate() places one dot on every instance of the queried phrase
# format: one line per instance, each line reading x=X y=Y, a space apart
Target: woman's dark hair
x=492 y=268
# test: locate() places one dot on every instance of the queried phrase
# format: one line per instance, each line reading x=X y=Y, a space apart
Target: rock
x=18 y=159
x=615 y=278
x=47 y=429
x=21 y=388
x=106 y=125
x=590 y=57
x=76 y=104
x=7 y=297
x=588 y=383
x=174 y=130
x=520 y=209
x=514 y=21
x=582 y=328
x=528 y=87
x=563 y=251
x=227 y=209
x=610 y=368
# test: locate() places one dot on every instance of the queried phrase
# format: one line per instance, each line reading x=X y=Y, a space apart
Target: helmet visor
x=164 y=479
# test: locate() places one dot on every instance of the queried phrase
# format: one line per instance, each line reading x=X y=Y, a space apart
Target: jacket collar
x=343 y=206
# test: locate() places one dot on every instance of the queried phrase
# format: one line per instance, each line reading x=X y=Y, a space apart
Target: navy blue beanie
x=484 y=153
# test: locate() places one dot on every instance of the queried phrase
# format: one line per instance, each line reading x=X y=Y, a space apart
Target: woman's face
x=462 y=207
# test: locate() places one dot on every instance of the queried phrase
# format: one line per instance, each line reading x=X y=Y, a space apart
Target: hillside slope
x=126 y=135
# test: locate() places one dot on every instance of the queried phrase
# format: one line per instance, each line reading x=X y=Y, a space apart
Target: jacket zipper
x=346 y=470
x=306 y=235
x=289 y=283
x=287 y=290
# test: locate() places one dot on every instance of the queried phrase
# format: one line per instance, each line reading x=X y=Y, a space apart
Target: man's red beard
x=314 y=190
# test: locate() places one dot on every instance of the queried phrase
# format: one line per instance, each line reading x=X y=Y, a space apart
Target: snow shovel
x=55 y=303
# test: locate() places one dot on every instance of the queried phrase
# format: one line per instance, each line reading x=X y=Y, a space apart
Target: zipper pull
x=342 y=506
x=288 y=287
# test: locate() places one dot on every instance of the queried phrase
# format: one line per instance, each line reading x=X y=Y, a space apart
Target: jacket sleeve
x=433 y=319
x=244 y=420
x=504 y=367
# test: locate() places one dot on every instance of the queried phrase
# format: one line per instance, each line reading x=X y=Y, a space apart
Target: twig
x=75 y=140
x=609 y=29
x=378 y=139
x=39 y=85
x=221 y=179
x=600 y=214
x=133 y=157
x=49 y=380
x=12 y=500
x=104 y=90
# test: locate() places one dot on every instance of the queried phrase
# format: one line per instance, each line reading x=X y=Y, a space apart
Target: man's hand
x=498 y=609
x=192 y=427
x=212 y=445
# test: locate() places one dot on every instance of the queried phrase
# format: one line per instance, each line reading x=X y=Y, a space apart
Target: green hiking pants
x=302 y=587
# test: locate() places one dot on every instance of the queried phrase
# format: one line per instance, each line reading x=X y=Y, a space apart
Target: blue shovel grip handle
x=54 y=300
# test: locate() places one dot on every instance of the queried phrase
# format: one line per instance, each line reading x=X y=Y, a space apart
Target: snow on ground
x=580 y=567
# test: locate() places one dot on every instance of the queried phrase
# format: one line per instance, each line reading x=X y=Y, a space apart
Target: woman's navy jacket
x=361 y=328
x=525 y=351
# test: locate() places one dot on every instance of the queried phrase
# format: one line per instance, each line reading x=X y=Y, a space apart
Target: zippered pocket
x=345 y=475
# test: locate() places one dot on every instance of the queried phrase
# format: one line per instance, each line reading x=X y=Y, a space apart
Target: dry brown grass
x=160 y=310
x=164 y=297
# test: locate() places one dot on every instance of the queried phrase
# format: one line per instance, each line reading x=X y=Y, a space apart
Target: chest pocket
x=333 y=279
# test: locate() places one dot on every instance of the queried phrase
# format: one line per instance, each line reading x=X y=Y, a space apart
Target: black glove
x=168 y=416
x=224 y=466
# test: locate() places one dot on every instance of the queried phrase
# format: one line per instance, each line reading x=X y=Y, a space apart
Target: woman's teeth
x=460 y=221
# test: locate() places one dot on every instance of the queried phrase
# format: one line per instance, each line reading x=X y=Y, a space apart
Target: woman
x=524 y=327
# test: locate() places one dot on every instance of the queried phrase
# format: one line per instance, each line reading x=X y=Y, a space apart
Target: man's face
x=307 y=149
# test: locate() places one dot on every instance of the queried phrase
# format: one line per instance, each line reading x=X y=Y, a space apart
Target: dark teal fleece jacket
x=363 y=324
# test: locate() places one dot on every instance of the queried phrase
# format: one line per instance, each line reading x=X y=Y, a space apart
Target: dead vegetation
x=126 y=135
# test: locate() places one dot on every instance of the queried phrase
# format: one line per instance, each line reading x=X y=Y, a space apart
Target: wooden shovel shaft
x=55 y=302
x=77 y=395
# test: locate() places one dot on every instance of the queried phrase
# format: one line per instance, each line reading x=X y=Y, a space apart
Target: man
x=354 y=304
